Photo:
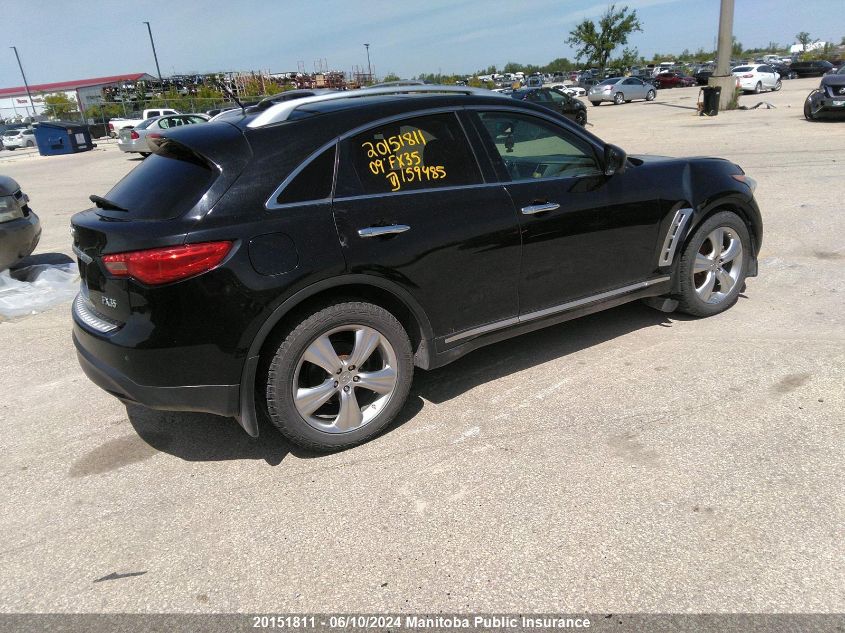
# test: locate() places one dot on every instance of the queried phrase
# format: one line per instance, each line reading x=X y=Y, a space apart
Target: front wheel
x=713 y=265
x=581 y=118
x=619 y=99
x=650 y=95
x=340 y=376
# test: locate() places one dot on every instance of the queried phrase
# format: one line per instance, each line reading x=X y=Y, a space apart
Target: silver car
x=621 y=90
x=136 y=139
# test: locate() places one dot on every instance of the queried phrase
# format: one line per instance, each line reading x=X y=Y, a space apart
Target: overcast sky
x=63 y=40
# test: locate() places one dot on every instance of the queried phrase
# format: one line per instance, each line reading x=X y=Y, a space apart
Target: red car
x=673 y=80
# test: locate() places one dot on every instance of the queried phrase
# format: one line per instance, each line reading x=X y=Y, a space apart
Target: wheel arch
x=726 y=201
x=377 y=290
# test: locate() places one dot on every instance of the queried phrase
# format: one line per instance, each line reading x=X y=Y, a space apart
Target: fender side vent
x=674 y=236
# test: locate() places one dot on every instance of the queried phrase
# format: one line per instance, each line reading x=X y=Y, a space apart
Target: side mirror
x=615 y=160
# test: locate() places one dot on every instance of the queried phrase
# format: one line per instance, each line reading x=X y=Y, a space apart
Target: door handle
x=376 y=231
x=540 y=208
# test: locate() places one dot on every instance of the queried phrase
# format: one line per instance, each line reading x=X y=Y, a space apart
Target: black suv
x=570 y=107
x=299 y=262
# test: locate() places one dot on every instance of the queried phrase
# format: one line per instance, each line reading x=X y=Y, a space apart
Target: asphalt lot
x=630 y=461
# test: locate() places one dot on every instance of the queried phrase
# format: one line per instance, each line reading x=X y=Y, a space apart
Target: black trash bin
x=62 y=137
x=710 y=100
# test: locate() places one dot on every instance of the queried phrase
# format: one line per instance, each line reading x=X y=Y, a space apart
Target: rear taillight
x=134 y=135
x=171 y=263
x=748 y=76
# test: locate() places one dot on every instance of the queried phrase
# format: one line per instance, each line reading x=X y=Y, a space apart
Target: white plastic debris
x=33 y=289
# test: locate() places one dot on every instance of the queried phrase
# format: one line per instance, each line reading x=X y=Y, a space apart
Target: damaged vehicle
x=828 y=100
x=20 y=228
x=298 y=263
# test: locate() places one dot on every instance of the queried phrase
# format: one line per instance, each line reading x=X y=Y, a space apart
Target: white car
x=756 y=78
x=21 y=137
x=572 y=91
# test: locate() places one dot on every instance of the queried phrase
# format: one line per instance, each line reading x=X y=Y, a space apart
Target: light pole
x=369 y=67
x=153 y=44
x=26 y=85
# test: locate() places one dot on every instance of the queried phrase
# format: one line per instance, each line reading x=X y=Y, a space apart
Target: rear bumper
x=18 y=239
x=139 y=145
x=216 y=399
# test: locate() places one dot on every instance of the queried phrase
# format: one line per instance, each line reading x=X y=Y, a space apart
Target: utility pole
x=722 y=77
x=369 y=67
x=158 y=70
x=26 y=85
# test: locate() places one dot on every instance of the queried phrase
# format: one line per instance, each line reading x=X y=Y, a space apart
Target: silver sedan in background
x=136 y=139
x=621 y=90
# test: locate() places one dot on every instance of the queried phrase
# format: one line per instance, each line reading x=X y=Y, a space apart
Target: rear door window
x=409 y=155
x=314 y=182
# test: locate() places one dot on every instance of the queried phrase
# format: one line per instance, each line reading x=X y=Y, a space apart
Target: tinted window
x=558 y=97
x=742 y=69
x=314 y=182
x=153 y=113
x=165 y=185
x=533 y=148
x=413 y=154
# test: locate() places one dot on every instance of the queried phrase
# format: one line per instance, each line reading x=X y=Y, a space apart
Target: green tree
x=597 y=43
x=391 y=77
x=630 y=57
x=736 y=47
x=804 y=40
x=59 y=105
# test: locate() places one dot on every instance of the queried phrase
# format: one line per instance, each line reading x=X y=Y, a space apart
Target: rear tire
x=581 y=118
x=778 y=86
x=339 y=376
x=758 y=88
x=713 y=265
x=596 y=103
x=30 y=144
x=618 y=99
x=650 y=95
x=144 y=154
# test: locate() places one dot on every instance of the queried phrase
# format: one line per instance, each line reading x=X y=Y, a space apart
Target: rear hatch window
x=165 y=186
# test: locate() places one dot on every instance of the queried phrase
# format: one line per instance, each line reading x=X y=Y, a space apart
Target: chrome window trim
x=674 y=235
x=563 y=307
x=88 y=317
x=271 y=203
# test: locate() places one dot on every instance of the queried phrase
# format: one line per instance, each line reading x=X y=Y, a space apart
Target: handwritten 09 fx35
x=398 y=158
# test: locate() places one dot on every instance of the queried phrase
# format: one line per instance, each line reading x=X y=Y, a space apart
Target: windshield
x=143 y=125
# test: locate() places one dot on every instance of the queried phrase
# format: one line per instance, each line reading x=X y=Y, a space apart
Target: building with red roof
x=86 y=92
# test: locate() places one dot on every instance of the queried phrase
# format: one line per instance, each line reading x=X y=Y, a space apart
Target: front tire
x=581 y=118
x=340 y=376
x=713 y=266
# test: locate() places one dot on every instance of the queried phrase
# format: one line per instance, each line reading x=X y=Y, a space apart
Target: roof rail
x=282 y=111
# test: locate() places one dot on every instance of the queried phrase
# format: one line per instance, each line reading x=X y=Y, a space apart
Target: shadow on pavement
x=206 y=437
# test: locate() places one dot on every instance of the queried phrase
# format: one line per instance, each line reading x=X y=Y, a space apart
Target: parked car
x=828 y=101
x=703 y=74
x=784 y=71
x=673 y=80
x=756 y=78
x=119 y=123
x=301 y=261
x=621 y=90
x=20 y=228
x=814 y=68
x=555 y=100
x=5 y=127
x=137 y=139
x=573 y=91
x=19 y=137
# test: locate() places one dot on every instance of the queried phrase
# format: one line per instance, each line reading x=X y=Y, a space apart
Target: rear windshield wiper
x=105 y=203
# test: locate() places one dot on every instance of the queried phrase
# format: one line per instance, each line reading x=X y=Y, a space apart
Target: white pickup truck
x=115 y=125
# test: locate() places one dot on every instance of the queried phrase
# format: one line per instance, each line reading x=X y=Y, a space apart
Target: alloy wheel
x=718 y=265
x=345 y=378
